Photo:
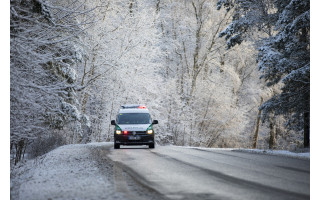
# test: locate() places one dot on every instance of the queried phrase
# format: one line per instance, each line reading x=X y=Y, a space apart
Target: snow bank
x=305 y=155
x=277 y=153
x=207 y=149
x=68 y=172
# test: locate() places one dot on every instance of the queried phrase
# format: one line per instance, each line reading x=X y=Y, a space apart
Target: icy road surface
x=97 y=171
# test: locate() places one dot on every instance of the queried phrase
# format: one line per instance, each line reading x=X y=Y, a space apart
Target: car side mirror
x=155 y=122
x=113 y=122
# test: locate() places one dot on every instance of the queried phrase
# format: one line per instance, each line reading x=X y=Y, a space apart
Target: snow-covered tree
x=207 y=83
x=285 y=58
x=43 y=61
x=248 y=16
x=122 y=64
x=73 y=63
x=284 y=53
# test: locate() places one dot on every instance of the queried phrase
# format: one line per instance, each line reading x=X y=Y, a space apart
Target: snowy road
x=97 y=171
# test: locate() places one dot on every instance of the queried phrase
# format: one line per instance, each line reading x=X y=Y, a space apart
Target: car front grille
x=137 y=132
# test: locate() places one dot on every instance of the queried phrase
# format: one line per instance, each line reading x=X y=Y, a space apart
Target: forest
x=215 y=73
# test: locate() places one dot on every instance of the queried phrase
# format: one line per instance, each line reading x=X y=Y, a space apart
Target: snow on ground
x=284 y=153
x=68 y=172
x=302 y=155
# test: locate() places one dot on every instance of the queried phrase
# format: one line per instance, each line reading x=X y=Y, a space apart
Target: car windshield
x=134 y=118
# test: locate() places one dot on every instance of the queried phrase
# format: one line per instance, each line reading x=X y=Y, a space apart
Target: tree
x=285 y=58
x=248 y=16
x=283 y=53
x=209 y=100
x=122 y=63
x=43 y=59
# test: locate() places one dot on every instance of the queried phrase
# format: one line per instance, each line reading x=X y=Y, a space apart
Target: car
x=133 y=126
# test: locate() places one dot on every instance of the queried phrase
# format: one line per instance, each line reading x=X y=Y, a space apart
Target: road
x=194 y=173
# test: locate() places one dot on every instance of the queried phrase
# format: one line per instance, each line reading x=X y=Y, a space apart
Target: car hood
x=134 y=127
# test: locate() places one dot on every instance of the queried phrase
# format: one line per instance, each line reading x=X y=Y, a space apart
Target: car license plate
x=134 y=137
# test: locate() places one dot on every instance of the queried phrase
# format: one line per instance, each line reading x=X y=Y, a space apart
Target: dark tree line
x=284 y=53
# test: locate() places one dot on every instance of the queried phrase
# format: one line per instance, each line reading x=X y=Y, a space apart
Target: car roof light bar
x=133 y=106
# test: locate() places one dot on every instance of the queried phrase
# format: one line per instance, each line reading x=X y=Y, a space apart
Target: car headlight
x=150 y=131
x=118 y=132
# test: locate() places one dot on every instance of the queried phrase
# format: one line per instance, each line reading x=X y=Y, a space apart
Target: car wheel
x=116 y=146
x=151 y=146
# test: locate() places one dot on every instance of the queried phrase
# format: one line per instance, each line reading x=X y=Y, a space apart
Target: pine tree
x=284 y=52
x=249 y=16
x=285 y=58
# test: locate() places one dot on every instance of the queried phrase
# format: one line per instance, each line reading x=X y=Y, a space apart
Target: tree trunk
x=255 y=136
x=158 y=6
x=272 y=139
x=19 y=149
x=196 y=66
x=306 y=129
x=131 y=6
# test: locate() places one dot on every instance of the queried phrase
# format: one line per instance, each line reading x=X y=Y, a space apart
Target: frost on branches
x=73 y=63
x=284 y=53
x=212 y=93
x=121 y=66
x=43 y=62
x=285 y=58
x=248 y=17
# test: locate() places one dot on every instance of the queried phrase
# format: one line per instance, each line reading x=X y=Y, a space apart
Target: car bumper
x=127 y=139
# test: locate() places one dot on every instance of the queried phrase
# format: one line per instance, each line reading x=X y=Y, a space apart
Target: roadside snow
x=304 y=155
x=207 y=149
x=68 y=172
x=284 y=153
